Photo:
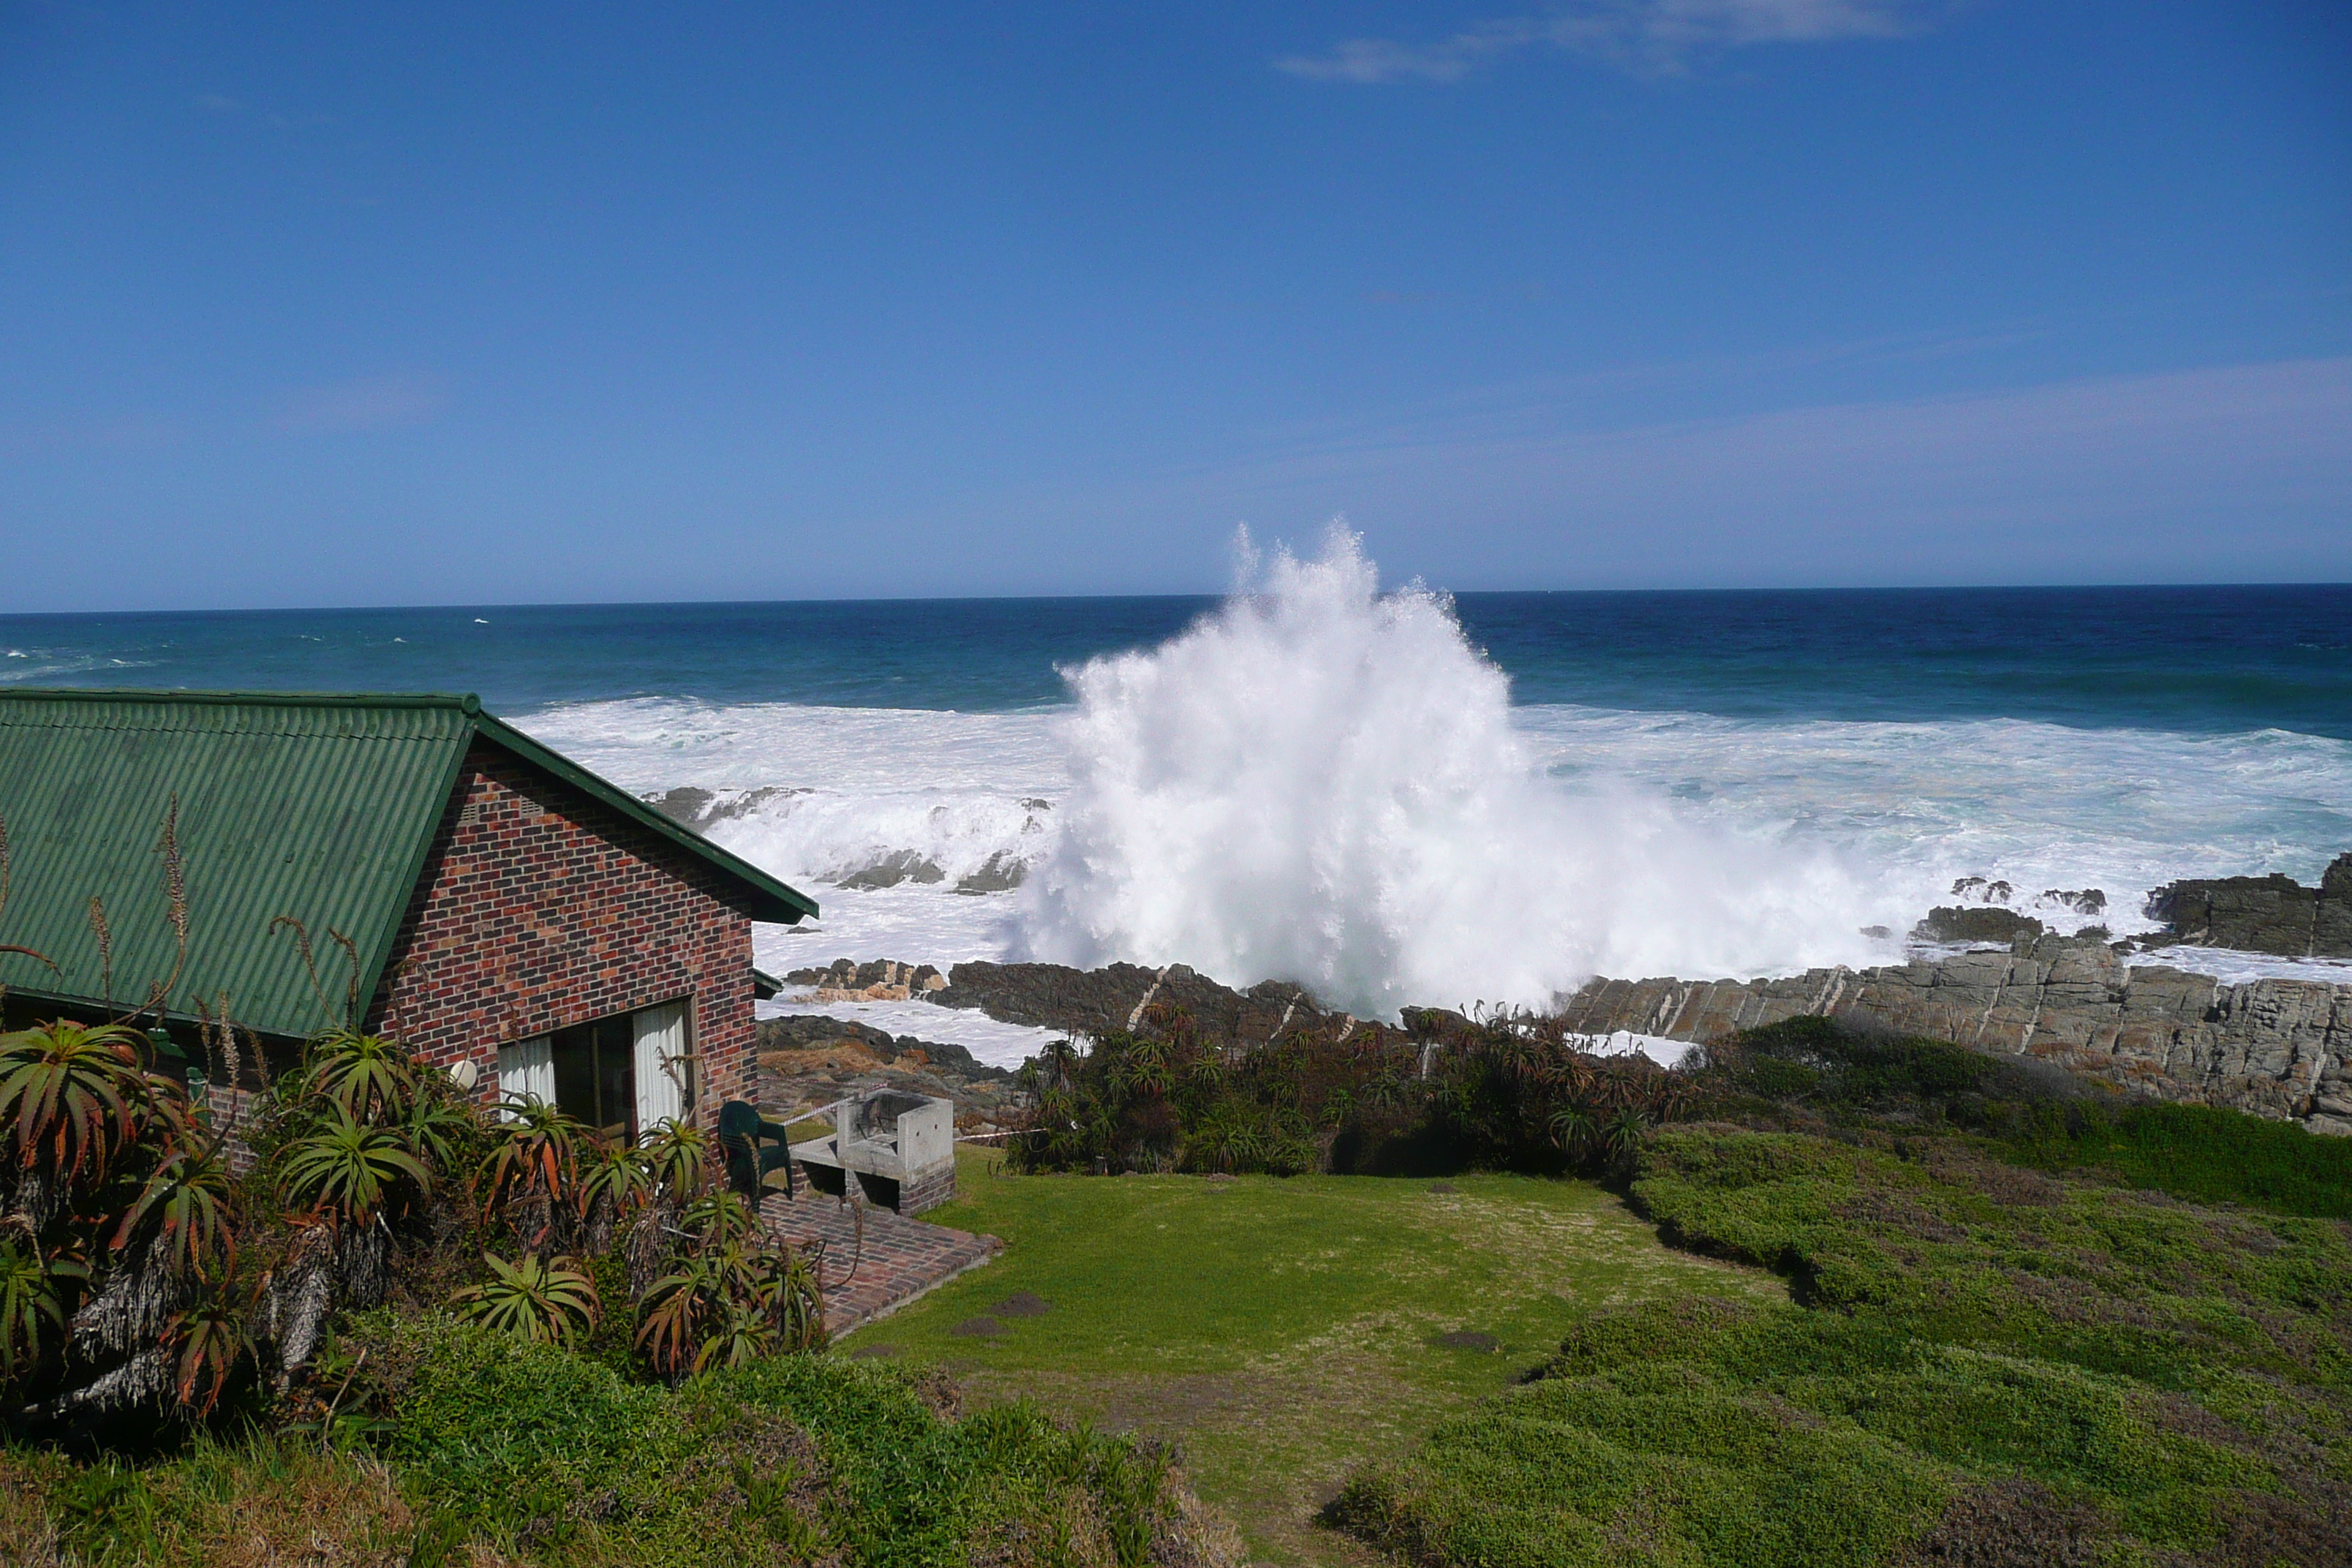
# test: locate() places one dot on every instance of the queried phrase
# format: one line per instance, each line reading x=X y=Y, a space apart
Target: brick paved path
x=896 y=1259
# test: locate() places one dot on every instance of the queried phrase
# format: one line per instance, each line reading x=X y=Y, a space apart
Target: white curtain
x=661 y=1066
x=527 y=1068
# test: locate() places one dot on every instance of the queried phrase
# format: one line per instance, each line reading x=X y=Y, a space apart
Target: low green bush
x=1658 y=1464
x=1442 y=1095
x=548 y=1455
x=2200 y=1153
x=2031 y=1112
x=1978 y=1356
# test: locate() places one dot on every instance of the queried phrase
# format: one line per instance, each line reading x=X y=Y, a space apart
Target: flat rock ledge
x=2280 y=1048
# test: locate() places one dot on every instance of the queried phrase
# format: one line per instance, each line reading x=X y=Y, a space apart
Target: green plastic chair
x=742 y=1132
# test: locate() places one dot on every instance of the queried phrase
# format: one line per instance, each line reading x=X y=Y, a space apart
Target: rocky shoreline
x=2279 y=1048
x=2271 y=914
x=2275 y=1047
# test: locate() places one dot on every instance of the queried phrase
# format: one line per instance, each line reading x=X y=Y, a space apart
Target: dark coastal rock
x=1988 y=923
x=2331 y=923
x=905 y=865
x=1001 y=873
x=2273 y=1048
x=684 y=805
x=2262 y=914
x=1094 y=1002
x=702 y=809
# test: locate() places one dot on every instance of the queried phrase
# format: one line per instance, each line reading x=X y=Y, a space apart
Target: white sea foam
x=2043 y=807
x=47 y=666
x=2233 y=968
x=1324 y=783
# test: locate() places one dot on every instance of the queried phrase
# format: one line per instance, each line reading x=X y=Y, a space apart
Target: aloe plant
x=32 y=1303
x=618 y=1179
x=1573 y=1129
x=678 y=1156
x=1622 y=1137
x=742 y=1333
x=371 y=1078
x=349 y=1171
x=442 y=1128
x=680 y=1313
x=722 y=1217
x=71 y=1097
x=537 y=1155
x=184 y=1204
x=539 y=1299
x=208 y=1339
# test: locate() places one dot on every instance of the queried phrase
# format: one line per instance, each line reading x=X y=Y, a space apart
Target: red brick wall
x=540 y=908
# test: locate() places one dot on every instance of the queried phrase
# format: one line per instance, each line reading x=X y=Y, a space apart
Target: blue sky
x=353 y=303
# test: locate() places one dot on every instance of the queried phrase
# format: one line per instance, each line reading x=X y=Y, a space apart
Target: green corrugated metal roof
x=321 y=807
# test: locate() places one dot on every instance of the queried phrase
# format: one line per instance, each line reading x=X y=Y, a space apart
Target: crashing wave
x=1321 y=783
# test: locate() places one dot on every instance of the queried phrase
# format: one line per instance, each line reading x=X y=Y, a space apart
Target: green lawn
x=1278 y=1330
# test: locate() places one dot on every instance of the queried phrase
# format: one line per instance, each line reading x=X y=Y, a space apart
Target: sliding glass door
x=623 y=1075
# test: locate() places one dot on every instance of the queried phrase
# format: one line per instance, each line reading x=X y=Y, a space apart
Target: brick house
x=457 y=885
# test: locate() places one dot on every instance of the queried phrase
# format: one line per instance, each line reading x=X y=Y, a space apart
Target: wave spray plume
x=1320 y=783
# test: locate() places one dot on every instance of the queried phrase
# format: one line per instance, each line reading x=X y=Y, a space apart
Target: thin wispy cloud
x=2126 y=479
x=376 y=403
x=221 y=106
x=1643 y=36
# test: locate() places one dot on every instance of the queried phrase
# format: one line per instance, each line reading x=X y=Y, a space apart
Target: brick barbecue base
x=896 y=1260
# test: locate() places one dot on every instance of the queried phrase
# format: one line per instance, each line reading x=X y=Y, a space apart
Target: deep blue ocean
x=1325 y=784
x=2205 y=660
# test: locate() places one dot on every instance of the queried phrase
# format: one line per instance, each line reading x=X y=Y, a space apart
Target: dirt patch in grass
x=1241 y=1440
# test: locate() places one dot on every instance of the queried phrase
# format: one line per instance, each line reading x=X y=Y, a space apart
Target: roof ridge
x=465 y=702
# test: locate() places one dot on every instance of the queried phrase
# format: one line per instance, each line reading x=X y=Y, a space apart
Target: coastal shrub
x=1655 y=1465
x=1446 y=1093
x=2200 y=1152
x=542 y=1455
x=1978 y=1360
x=486 y=1422
x=1842 y=1071
x=2032 y=1113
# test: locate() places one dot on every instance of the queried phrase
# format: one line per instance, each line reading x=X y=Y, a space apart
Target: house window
x=624 y=1075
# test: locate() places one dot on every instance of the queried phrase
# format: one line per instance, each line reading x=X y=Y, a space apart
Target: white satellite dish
x=465 y=1074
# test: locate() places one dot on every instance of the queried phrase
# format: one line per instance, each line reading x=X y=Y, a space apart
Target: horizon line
x=456 y=606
